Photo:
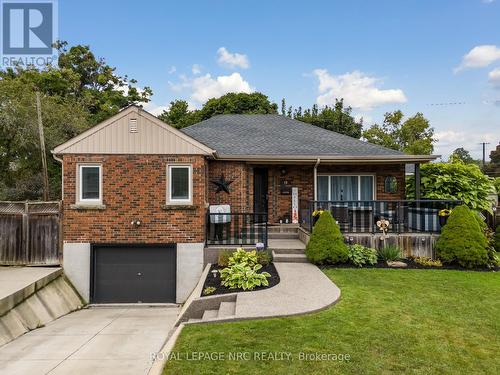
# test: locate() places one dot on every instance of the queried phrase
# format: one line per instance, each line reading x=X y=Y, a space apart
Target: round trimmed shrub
x=326 y=245
x=462 y=240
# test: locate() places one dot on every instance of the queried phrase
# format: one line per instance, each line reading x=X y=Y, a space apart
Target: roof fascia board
x=330 y=159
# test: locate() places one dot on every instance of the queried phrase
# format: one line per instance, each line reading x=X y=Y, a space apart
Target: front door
x=260 y=190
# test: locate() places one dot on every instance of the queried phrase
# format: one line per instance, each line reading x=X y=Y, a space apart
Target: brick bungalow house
x=136 y=193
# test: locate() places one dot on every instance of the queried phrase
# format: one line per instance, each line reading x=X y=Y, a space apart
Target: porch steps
x=282 y=235
x=209 y=314
x=288 y=250
x=289 y=258
x=225 y=310
x=283 y=228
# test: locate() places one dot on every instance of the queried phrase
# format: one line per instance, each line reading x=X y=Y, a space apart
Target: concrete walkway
x=92 y=342
x=302 y=289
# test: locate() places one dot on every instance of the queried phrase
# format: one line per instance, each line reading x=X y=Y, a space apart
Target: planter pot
x=315 y=219
x=443 y=220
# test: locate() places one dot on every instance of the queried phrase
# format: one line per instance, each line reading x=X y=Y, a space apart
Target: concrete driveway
x=92 y=342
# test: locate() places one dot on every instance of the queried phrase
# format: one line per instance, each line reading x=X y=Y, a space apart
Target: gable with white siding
x=133 y=131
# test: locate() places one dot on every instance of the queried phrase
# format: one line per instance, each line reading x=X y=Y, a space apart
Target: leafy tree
x=82 y=76
x=20 y=163
x=413 y=136
x=240 y=103
x=496 y=239
x=326 y=245
x=462 y=241
x=496 y=183
x=77 y=93
x=453 y=180
x=463 y=155
x=493 y=167
x=179 y=116
x=495 y=155
x=337 y=118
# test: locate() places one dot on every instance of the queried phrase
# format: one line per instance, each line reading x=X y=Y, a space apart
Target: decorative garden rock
x=397 y=264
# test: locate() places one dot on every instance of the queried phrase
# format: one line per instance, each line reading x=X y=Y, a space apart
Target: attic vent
x=132 y=125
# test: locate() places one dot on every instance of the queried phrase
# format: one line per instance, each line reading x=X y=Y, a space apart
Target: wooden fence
x=30 y=233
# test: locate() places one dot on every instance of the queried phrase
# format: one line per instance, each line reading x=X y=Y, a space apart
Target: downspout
x=316 y=179
x=62 y=174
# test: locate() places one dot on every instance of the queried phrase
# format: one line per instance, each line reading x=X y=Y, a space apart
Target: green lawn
x=388 y=321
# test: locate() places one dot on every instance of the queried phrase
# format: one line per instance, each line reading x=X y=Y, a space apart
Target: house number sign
x=295 y=205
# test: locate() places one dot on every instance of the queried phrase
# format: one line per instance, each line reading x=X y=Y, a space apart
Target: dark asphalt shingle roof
x=234 y=135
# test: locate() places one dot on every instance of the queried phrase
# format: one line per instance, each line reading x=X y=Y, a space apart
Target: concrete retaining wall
x=36 y=305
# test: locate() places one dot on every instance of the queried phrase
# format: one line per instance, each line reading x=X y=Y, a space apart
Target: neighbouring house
x=139 y=192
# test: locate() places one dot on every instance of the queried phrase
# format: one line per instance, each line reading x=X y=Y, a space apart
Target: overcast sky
x=441 y=58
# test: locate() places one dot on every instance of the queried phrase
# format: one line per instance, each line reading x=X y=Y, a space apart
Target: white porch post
x=315 y=182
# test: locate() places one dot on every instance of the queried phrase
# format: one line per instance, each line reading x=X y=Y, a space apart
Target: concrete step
x=284 y=228
x=286 y=244
x=209 y=314
x=226 y=309
x=289 y=258
x=288 y=251
x=282 y=235
x=194 y=320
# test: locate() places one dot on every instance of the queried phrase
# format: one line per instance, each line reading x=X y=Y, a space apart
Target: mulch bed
x=411 y=264
x=219 y=289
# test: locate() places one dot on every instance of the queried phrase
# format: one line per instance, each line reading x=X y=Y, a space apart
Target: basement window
x=90 y=183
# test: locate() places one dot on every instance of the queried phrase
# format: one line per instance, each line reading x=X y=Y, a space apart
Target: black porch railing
x=403 y=215
x=236 y=229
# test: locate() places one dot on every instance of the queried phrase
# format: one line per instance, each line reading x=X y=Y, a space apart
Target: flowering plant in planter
x=443 y=216
x=316 y=214
x=444 y=212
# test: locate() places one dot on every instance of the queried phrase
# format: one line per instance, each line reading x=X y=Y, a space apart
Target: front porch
x=404 y=216
x=262 y=195
x=414 y=226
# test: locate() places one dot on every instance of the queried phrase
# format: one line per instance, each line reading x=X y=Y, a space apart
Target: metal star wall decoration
x=222 y=184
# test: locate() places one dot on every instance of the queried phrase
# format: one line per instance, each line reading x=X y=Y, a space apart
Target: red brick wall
x=134 y=188
x=301 y=176
x=240 y=197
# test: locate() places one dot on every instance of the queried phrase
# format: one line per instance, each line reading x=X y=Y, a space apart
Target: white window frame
x=359 y=175
x=174 y=201
x=81 y=200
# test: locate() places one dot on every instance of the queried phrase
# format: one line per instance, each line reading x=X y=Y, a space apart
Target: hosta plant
x=360 y=255
x=244 y=276
x=241 y=256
